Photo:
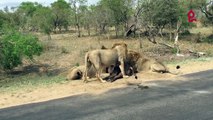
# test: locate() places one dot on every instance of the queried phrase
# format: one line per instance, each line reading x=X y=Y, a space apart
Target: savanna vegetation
x=37 y=40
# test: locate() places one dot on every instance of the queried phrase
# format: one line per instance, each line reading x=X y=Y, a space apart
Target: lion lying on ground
x=76 y=73
x=145 y=63
x=105 y=58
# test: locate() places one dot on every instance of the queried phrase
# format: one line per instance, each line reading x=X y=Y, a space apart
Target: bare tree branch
x=206 y=12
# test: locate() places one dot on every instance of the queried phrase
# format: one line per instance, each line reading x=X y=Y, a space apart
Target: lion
x=132 y=58
x=76 y=73
x=140 y=62
x=103 y=58
x=145 y=63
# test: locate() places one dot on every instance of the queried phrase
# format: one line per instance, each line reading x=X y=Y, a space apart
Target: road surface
x=179 y=100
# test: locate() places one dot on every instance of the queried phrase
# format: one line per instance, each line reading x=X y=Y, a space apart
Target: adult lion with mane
x=103 y=58
x=141 y=62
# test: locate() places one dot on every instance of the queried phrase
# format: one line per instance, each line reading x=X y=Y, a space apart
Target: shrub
x=14 y=46
x=174 y=50
x=77 y=64
x=64 y=50
x=209 y=39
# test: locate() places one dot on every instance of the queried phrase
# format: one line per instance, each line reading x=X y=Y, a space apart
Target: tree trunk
x=161 y=32
x=79 y=31
x=212 y=27
x=140 y=43
x=59 y=27
x=103 y=30
x=77 y=20
x=96 y=30
x=170 y=33
x=88 y=29
x=176 y=42
x=126 y=26
x=116 y=31
x=49 y=36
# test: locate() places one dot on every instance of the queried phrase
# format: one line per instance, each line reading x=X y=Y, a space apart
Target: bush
x=14 y=46
x=174 y=50
x=185 y=32
x=209 y=39
x=64 y=50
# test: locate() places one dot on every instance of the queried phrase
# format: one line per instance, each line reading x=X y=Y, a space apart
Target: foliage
x=24 y=14
x=77 y=64
x=101 y=17
x=43 y=19
x=209 y=39
x=174 y=50
x=166 y=12
x=2 y=18
x=120 y=14
x=119 y=10
x=61 y=11
x=15 y=46
x=78 y=9
x=28 y=8
x=64 y=50
x=159 y=14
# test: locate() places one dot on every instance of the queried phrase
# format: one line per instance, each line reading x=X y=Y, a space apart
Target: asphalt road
x=179 y=100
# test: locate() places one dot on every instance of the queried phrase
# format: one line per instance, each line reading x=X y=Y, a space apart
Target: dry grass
x=75 y=47
x=67 y=50
x=204 y=31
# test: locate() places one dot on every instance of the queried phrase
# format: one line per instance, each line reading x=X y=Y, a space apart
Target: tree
x=27 y=8
x=76 y=5
x=25 y=12
x=166 y=12
x=85 y=17
x=102 y=17
x=3 y=19
x=61 y=12
x=207 y=9
x=44 y=20
x=158 y=14
x=120 y=11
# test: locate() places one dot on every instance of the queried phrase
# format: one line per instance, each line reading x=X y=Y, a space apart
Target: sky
x=15 y=3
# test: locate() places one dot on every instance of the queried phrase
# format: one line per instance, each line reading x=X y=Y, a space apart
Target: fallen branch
x=172 y=47
x=197 y=54
x=167 y=45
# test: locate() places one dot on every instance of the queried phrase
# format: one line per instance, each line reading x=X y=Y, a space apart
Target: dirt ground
x=70 y=88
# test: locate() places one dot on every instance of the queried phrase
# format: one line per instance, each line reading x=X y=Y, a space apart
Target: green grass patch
x=28 y=82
